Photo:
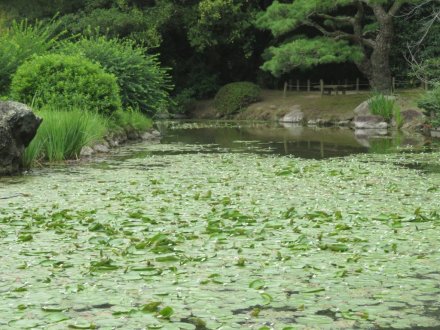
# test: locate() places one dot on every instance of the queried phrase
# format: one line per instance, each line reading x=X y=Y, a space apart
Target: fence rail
x=308 y=85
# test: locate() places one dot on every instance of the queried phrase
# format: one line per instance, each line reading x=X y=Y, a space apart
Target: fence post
x=393 y=84
x=285 y=89
x=308 y=85
x=321 y=84
x=357 y=85
x=297 y=85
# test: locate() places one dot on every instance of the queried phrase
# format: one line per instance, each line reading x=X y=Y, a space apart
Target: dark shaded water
x=304 y=142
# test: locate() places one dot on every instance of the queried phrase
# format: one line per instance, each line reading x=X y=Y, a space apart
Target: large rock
x=295 y=115
x=413 y=119
x=435 y=133
x=18 y=126
x=362 y=109
x=370 y=122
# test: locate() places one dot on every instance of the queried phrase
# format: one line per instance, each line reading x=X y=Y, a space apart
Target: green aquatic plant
x=63 y=134
x=229 y=239
x=382 y=105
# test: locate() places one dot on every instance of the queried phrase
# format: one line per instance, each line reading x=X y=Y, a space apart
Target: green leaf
x=166 y=312
x=257 y=284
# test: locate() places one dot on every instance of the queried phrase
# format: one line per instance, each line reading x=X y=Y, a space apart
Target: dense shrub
x=143 y=83
x=66 y=81
x=236 y=96
x=431 y=103
x=19 y=43
x=130 y=119
x=63 y=134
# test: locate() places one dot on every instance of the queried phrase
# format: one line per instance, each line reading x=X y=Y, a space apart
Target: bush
x=183 y=101
x=130 y=119
x=65 y=82
x=236 y=96
x=19 y=43
x=143 y=83
x=381 y=105
x=431 y=103
x=428 y=70
x=63 y=134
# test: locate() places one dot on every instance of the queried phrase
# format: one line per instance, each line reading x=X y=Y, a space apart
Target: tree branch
x=338 y=35
x=341 y=19
x=396 y=7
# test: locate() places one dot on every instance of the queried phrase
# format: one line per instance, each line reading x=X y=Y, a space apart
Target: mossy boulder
x=235 y=97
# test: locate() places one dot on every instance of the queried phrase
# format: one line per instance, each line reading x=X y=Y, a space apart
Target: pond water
x=227 y=226
x=289 y=139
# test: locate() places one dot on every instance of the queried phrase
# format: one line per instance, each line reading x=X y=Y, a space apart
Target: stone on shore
x=370 y=122
x=18 y=126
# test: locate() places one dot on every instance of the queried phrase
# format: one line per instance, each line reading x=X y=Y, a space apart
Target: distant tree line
x=208 y=43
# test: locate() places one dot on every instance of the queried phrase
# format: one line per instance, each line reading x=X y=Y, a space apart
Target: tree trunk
x=376 y=63
x=380 y=57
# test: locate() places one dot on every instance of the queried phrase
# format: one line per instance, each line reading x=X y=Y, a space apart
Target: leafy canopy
x=344 y=35
x=305 y=53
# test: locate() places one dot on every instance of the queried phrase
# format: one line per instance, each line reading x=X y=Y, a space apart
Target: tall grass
x=380 y=105
x=63 y=134
x=21 y=41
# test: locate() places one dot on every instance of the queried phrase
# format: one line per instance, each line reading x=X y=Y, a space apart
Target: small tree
x=361 y=31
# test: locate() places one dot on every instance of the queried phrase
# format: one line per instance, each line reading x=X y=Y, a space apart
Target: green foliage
x=222 y=22
x=63 y=134
x=306 y=53
x=397 y=116
x=143 y=83
x=19 y=43
x=130 y=119
x=236 y=96
x=64 y=82
x=183 y=101
x=381 y=105
x=428 y=70
x=413 y=34
x=431 y=103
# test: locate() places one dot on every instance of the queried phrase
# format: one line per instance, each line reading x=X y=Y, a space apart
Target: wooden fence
x=346 y=85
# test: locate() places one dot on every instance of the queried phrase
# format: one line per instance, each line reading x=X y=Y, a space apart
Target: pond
x=227 y=226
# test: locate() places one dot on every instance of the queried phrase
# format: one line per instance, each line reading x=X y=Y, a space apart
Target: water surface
x=255 y=227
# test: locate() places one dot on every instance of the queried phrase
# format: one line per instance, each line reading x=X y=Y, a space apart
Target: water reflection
x=285 y=139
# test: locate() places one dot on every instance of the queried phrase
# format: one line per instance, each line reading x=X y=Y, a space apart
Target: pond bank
x=119 y=138
x=321 y=110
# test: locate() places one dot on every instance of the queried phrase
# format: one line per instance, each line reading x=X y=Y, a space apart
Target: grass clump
x=65 y=82
x=386 y=107
x=381 y=105
x=234 y=97
x=63 y=134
